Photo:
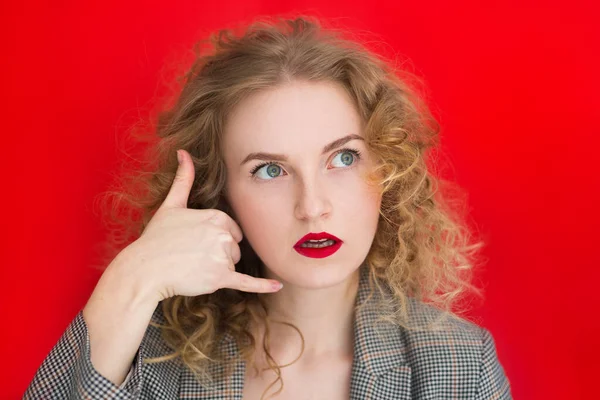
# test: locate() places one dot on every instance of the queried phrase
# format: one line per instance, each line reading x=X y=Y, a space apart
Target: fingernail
x=178 y=157
x=277 y=285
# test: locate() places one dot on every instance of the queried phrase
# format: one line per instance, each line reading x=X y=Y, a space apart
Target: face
x=306 y=180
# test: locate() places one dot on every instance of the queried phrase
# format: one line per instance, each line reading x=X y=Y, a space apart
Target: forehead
x=292 y=116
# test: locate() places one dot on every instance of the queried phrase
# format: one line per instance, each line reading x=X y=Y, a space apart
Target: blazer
x=389 y=363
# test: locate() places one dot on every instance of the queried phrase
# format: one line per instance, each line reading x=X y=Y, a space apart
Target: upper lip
x=316 y=236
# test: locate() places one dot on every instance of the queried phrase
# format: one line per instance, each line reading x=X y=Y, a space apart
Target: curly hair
x=422 y=248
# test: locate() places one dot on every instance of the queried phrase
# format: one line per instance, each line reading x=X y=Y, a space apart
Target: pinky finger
x=247 y=283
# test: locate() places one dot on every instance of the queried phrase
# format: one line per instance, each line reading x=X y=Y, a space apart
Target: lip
x=318 y=253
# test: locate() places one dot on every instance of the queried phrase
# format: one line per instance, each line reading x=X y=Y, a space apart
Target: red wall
x=515 y=87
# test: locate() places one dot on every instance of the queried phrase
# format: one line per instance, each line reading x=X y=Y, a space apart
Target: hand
x=188 y=252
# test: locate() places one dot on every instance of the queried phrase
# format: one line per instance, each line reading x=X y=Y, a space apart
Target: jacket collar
x=380 y=368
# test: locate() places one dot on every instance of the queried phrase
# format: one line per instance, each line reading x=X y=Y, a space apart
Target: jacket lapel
x=222 y=388
x=380 y=369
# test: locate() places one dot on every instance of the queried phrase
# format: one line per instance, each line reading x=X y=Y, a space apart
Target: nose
x=312 y=201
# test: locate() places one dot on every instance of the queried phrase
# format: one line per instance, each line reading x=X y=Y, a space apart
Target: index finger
x=247 y=283
x=222 y=219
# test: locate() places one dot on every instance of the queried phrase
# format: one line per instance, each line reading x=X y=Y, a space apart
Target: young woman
x=292 y=157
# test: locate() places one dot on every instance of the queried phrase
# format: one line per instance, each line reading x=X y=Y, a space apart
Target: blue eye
x=346 y=156
x=270 y=171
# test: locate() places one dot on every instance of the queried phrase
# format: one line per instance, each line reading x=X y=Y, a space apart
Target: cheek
x=257 y=213
x=353 y=195
x=359 y=209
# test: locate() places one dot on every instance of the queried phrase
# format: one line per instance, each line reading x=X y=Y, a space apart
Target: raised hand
x=190 y=252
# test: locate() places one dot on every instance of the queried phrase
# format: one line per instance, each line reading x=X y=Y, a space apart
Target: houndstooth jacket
x=389 y=363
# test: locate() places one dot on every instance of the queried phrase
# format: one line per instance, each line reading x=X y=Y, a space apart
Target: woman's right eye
x=267 y=171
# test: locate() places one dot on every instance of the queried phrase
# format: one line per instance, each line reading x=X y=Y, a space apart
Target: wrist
x=123 y=278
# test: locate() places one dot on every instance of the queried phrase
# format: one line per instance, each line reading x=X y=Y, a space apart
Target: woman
x=300 y=161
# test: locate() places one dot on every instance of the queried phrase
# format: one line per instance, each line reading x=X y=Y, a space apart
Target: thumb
x=182 y=184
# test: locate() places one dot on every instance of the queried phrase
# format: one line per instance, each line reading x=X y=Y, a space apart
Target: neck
x=325 y=318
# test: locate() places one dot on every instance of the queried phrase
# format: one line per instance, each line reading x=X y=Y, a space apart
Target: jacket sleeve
x=493 y=383
x=67 y=372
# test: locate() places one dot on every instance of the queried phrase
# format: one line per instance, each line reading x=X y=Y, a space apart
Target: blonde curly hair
x=422 y=249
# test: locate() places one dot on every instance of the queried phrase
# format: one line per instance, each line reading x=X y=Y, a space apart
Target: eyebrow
x=279 y=157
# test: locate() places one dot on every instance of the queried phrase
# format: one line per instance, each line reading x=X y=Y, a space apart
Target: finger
x=235 y=253
x=230 y=247
x=182 y=184
x=223 y=220
x=235 y=230
x=247 y=283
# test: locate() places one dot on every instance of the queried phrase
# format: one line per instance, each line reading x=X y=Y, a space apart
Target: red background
x=513 y=83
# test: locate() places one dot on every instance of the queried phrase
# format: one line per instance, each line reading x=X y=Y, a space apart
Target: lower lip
x=318 y=253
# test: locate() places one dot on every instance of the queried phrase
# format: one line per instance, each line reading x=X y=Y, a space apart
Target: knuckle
x=218 y=217
x=226 y=238
x=207 y=230
x=220 y=258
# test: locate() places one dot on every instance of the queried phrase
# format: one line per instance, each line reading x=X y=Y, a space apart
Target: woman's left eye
x=345 y=157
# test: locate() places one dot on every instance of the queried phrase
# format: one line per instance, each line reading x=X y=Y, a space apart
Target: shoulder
x=432 y=326
x=459 y=353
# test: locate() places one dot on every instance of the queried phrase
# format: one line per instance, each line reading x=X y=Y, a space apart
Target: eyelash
x=355 y=152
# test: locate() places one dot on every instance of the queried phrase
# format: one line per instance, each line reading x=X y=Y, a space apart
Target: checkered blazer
x=459 y=362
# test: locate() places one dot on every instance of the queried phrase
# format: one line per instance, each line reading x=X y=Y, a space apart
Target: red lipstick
x=318 y=252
